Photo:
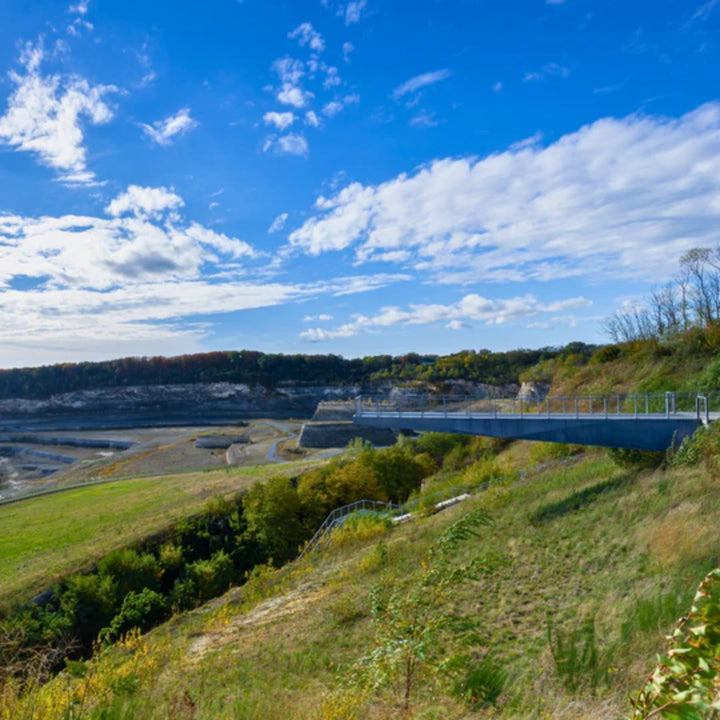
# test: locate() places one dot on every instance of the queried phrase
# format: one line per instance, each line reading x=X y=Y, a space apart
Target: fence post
x=667 y=404
x=605 y=407
x=444 y=406
x=522 y=402
x=577 y=412
x=618 y=403
x=635 y=399
x=590 y=405
x=647 y=405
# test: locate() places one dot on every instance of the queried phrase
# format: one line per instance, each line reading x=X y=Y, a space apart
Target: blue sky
x=346 y=176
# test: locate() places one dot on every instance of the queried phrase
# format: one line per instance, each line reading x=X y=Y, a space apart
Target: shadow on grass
x=578 y=500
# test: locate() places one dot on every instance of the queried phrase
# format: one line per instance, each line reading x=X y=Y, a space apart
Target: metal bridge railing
x=337 y=517
x=637 y=405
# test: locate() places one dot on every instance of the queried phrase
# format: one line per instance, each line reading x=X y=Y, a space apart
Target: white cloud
x=317 y=318
x=144 y=202
x=307 y=35
x=423 y=119
x=336 y=106
x=293 y=95
x=278 y=223
x=289 y=70
x=45 y=116
x=549 y=70
x=353 y=11
x=163 y=132
x=347 y=50
x=311 y=119
x=80 y=8
x=471 y=307
x=704 y=10
x=281 y=120
x=332 y=108
x=619 y=197
x=332 y=79
x=292 y=144
x=420 y=81
x=497 y=87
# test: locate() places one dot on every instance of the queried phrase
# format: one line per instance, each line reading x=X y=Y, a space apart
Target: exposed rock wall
x=251 y=401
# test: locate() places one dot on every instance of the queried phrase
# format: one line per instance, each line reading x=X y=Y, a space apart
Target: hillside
x=606 y=557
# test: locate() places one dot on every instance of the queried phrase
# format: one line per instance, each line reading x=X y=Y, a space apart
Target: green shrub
x=636 y=459
x=703 y=446
x=91 y=601
x=211 y=577
x=139 y=610
x=131 y=570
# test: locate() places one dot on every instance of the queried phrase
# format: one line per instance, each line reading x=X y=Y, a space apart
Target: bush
x=636 y=459
x=211 y=577
x=702 y=447
x=131 y=571
x=91 y=601
x=139 y=610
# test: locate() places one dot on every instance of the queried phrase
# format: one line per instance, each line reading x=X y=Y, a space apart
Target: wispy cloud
x=549 y=70
x=420 y=81
x=353 y=11
x=703 y=11
x=46 y=114
x=455 y=316
x=164 y=132
x=278 y=223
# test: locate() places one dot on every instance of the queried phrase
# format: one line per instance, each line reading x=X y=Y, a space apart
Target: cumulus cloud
x=79 y=8
x=307 y=35
x=471 y=307
x=144 y=201
x=619 y=197
x=318 y=318
x=293 y=95
x=347 y=50
x=278 y=223
x=312 y=119
x=420 y=81
x=280 y=120
x=46 y=114
x=164 y=132
x=292 y=144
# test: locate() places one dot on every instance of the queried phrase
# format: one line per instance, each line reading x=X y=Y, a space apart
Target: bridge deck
x=621 y=429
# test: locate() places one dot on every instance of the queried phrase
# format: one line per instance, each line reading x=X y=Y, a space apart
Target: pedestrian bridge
x=638 y=421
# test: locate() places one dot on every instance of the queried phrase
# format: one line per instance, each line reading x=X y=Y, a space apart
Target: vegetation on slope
x=585 y=568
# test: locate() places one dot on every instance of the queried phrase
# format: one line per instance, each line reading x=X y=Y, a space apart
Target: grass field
x=574 y=541
x=45 y=538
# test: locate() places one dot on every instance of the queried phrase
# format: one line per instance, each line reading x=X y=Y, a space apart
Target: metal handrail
x=635 y=405
x=339 y=514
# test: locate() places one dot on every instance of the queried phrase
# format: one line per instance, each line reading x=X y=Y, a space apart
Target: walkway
x=643 y=422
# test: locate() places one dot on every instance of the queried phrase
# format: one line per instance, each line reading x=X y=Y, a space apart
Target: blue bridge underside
x=643 y=433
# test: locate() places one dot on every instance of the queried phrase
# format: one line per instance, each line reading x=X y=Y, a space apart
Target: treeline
x=689 y=301
x=270 y=370
x=203 y=556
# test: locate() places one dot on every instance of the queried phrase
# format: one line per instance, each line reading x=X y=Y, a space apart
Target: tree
x=415 y=635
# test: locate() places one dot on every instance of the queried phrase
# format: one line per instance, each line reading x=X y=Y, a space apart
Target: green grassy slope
x=47 y=537
x=573 y=541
